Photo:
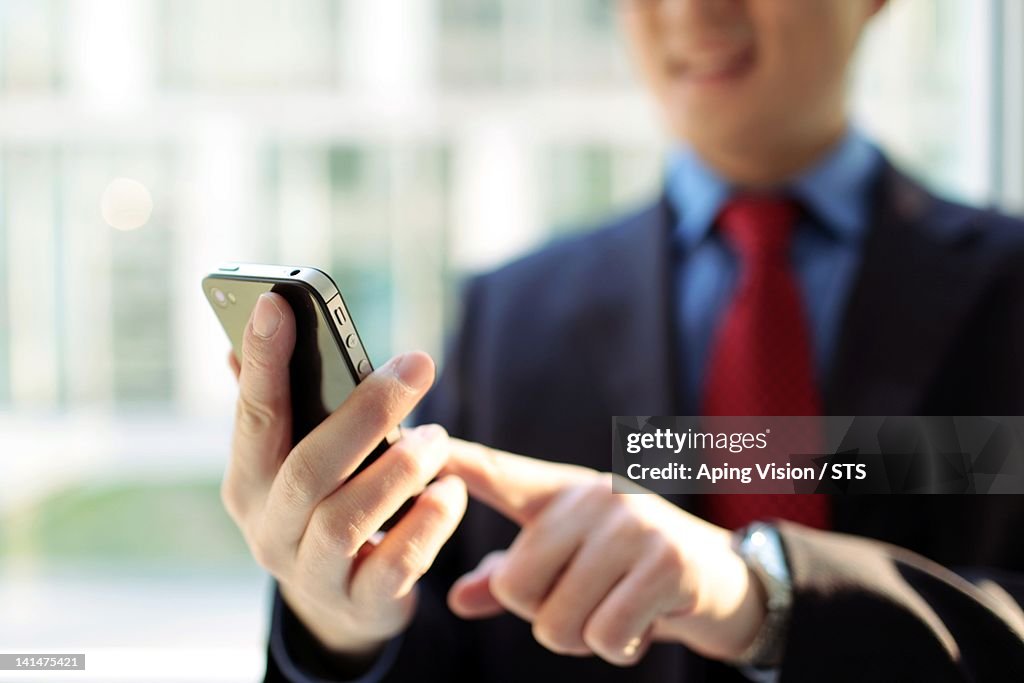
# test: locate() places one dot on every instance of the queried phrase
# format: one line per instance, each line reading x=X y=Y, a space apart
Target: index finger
x=332 y=452
x=514 y=485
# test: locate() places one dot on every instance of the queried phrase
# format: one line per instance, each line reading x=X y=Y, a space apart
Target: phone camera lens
x=219 y=297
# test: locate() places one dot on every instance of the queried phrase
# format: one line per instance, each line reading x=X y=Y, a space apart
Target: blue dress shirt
x=825 y=251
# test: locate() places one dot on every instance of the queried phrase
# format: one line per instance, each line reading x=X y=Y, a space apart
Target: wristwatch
x=761 y=548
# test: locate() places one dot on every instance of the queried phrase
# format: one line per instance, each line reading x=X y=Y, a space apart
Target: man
x=783 y=235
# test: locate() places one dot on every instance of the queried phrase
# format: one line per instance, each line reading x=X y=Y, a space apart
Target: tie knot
x=758 y=226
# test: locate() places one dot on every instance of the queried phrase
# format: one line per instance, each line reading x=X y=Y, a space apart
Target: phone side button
x=339 y=315
x=363 y=368
x=351 y=341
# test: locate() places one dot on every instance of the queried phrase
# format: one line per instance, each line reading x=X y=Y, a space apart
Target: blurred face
x=755 y=86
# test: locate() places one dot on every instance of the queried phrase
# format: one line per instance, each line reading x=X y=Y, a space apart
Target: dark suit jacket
x=553 y=345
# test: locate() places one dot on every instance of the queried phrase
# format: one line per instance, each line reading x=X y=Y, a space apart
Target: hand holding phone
x=329 y=359
x=305 y=516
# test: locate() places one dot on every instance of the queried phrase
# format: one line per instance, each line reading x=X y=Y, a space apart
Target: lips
x=712 y=66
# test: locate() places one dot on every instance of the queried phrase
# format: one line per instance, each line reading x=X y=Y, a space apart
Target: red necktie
x=760 y=361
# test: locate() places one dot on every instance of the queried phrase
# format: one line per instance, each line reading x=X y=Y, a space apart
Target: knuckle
x=409 y=565
x=556 y=635
x=598 y=491
x=621 y=523
x=625 y=527
x=265 y=554
x=669 y=562
x=298 y=479
x=669 y=570
x=605 y=640
x=512 y=588
x=437 y=509
x=407 y=464
x=382 y=400
x=413 y=562
x=254 y=353
x=651 y=536
x=231 y=500
x=262 y=556
x=253 y=417
x=370 y=417
x=336 y=532
x=504 y=585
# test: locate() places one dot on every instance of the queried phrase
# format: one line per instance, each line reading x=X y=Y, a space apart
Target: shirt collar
x=834 y=190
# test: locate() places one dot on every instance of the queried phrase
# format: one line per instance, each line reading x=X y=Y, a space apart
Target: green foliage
x=179 y=523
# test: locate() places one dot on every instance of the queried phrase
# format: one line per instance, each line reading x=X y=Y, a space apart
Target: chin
x=720 y=121
x=713 y=134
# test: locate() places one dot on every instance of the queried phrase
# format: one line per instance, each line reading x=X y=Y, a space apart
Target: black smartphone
x=329 y=359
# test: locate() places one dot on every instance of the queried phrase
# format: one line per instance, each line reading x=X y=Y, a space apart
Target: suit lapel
x=912 y=296
x=631 y=342
x=627 y=318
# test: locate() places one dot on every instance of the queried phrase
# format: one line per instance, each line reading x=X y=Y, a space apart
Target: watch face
x=763 y=545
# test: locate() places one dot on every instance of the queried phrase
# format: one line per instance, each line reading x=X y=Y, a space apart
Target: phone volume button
x=363 y=368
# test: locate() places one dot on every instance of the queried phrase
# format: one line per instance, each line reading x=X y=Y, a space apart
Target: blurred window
x=31 y=52
x=248 y=44
x=493 y=42
x=398 y=145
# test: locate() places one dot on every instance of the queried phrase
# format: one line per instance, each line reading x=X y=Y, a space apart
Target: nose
x=697 y=10
x=696 y=19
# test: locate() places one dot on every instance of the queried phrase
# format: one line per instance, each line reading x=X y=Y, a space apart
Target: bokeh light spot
x=126 y=204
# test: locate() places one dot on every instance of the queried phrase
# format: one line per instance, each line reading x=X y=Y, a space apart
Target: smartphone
x=329 y=359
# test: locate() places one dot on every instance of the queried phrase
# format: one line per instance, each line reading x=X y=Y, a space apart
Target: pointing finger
x=514 y=485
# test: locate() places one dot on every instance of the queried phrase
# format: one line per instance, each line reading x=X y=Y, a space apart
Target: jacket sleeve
x=866 y=610
x=437 y=645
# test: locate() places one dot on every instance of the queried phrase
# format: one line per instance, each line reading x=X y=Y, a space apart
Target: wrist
x=332 y=632
x=301 y=655
x=729 y=609
x=744 y=612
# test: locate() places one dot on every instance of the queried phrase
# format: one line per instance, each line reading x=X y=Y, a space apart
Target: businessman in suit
x=788 y=269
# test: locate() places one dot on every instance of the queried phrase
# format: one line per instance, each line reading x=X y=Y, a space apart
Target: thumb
x=514 y=485
x=264 y=416
x=470 y=596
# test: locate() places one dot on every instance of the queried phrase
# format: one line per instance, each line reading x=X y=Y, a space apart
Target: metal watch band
x=761 y=548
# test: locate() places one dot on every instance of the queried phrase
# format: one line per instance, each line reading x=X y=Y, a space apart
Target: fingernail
x=266 y=318
x=430 y=432
x=632 y=647
x=413 y=371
